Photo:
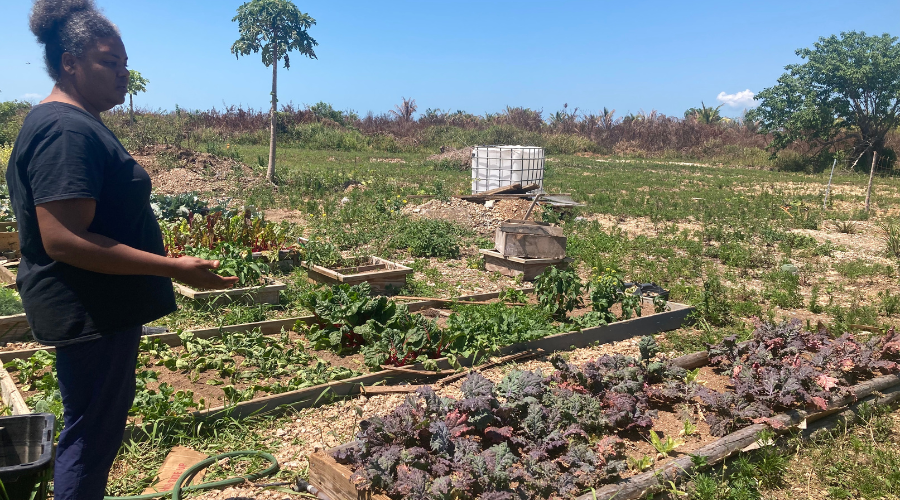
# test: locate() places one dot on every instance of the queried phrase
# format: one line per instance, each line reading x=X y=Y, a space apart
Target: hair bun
x=49 y=16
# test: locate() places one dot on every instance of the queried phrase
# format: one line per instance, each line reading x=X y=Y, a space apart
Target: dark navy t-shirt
x=63 y=152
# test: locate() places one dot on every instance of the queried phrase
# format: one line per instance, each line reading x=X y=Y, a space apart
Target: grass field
x=738 y=243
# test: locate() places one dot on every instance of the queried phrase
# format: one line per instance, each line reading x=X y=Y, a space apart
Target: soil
x=455 y=278
x=19 y=346
x=482 y=218
x=285 y=214
x=461 y=158
x=210 y=175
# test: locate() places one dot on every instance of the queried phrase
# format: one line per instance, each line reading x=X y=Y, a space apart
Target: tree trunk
x=131 y=107
x=270 y=173
x=871 y=175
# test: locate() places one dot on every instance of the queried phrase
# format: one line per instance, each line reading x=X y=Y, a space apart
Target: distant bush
x=12 y=113
x=5 y=153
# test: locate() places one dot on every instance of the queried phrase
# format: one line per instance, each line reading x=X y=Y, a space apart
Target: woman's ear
x=68 y=64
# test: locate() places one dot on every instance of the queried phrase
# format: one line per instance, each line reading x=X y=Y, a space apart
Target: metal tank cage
x=498 y=166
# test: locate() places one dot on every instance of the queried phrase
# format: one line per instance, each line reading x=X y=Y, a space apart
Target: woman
x=93 y=266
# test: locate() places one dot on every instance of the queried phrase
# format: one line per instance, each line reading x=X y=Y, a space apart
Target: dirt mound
x=176 y=170
x=461 y=158
x=483 y=219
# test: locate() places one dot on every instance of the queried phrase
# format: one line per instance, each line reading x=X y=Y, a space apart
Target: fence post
x=871 y=175
x=828 y=189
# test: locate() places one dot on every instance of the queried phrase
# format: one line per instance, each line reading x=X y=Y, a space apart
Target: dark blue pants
x=96 y=381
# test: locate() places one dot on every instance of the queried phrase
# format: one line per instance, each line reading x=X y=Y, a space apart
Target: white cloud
x=31 y=97
x=743 y=99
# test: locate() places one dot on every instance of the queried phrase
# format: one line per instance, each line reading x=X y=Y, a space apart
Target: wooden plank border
x=334 y=478
x=266 y=294
x=326 y=393
x=15 y=328
x=312 y=396
x=393 y=274
x=11 y=395
x=7 y=278
x=679 y=469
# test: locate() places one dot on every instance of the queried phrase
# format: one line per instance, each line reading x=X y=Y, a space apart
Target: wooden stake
x=531 y=207
x=828 y=189
x=871 y=175
x=453 y=301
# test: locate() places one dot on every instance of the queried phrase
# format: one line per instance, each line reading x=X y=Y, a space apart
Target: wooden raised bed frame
x=14 y=328
x=325 y=393
x=267 y=294
x=9 y=240
x=511 y=266
x=333 y=479
x=379 y=273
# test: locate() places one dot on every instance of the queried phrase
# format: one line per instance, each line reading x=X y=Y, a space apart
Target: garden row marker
x=828 y=189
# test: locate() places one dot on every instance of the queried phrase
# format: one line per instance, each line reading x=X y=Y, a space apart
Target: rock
x=280 y=432
x=345 y=200
x=489 y=204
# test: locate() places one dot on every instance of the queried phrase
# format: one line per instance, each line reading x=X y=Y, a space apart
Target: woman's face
x=100 y=76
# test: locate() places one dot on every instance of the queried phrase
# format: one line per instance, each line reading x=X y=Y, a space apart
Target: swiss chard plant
x=475 y=328
x=233 y=261
x=349 y=319
x=244 y=228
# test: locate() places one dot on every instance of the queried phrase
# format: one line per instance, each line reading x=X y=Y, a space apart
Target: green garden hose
x=191 y=471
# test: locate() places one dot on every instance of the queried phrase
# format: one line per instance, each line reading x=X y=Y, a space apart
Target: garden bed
x=381 y=274
x=864 y=372
x=265 y=294
x=324 y=393
x=277 y=394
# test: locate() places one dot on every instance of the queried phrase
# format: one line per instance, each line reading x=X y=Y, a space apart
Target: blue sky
x=476 y=56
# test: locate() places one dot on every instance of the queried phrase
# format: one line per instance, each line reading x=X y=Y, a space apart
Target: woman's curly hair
x=67 y=26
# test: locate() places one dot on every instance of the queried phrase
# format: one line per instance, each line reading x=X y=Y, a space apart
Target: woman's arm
x=63 y=225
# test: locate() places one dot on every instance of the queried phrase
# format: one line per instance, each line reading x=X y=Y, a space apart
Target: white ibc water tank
x=497 y=166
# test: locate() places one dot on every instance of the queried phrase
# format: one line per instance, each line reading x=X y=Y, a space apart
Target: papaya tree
x=274 y=28
x=136 y=83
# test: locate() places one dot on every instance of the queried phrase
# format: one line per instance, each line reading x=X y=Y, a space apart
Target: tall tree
x=273 y=27
x=846 y=94
x=136 y=83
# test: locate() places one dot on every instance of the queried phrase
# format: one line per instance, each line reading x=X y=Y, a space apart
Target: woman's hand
x=198 y=273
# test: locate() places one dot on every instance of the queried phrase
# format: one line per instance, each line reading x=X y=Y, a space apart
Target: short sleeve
x=66 y=165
